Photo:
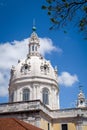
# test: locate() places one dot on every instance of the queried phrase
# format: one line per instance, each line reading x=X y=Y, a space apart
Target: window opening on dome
x=26 y=67
x=81 y=102
x=44 y=69
x=45 y=96
x=26 y=94
x=33 y=48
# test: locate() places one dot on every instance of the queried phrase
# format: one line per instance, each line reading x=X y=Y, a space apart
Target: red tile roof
x=15 y=124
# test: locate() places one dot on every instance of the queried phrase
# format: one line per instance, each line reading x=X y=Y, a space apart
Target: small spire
x=34 y=27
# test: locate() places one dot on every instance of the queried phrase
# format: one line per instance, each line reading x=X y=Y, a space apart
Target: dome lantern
x=34 y=43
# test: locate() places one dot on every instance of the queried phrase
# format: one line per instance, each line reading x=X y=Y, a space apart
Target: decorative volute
x=34 y=44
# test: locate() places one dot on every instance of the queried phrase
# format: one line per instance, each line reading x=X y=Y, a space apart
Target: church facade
x=34 y=94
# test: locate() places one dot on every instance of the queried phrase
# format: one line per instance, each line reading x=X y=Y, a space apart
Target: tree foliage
x=63 y=11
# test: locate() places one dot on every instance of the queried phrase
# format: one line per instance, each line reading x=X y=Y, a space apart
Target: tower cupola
x=81 y=101
x=34 y=43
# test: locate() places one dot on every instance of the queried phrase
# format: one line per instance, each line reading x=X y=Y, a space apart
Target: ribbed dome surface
x=34 y=67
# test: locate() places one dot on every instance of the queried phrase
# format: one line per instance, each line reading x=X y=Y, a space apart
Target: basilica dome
x=35 y=74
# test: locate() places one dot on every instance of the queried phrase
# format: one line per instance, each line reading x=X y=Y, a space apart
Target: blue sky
x=66 y=51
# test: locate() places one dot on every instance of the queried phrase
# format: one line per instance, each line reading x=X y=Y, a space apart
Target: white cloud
x=10 y=52
x=3 y=83
x=1 y=78
x=46 y=46
x=3 y=91
x=67 y=79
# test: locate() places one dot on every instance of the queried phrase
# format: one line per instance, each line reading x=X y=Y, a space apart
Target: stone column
x=38 y=92
x=58 y=101
x=35 y=89
x=32 y=92
x=52 y=97
x=21 y=96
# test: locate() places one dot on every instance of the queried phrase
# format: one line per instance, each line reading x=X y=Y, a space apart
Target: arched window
x=26 y=94
x=45 y=96
x=33 y=48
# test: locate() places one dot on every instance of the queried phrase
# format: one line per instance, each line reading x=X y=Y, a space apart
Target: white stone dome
x=36 y=74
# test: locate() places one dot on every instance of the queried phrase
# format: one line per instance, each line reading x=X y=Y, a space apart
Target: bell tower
x=81 y=100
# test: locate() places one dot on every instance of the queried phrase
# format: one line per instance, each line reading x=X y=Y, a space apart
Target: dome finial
x=34 y=27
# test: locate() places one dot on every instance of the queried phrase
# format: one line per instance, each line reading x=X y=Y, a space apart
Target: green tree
x=61 y=12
